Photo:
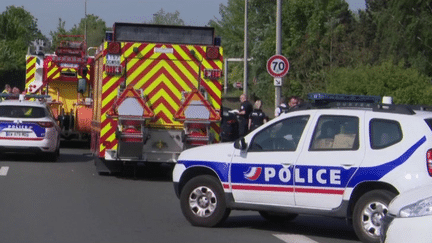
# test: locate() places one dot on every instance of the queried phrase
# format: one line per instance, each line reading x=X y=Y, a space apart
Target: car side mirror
x=82 y=85
x=240 y=144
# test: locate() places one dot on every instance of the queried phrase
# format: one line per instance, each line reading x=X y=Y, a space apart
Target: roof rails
x=22 y=97
x=323 y=100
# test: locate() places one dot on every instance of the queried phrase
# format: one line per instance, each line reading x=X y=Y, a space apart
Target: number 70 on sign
x=277 y=66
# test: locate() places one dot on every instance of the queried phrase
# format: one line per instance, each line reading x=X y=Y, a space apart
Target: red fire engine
x=66 y=76
x=157 y=91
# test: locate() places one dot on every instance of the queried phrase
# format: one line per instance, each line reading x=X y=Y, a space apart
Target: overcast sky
x=193 y=12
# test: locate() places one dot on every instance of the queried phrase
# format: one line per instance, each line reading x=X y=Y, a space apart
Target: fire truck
x=67 y=77
x=157 y=91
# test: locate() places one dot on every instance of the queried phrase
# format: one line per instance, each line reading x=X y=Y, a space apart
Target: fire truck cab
x=157 y=92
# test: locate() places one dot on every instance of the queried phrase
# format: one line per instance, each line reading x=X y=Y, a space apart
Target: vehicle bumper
x=22 y=149
x=415 y=229
x=28 y=146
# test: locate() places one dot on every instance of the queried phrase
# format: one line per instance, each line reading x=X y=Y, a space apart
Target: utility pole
x=278 y=46
x=245 y=57
x=85 y=23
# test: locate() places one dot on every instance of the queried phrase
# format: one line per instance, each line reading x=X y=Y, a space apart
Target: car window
x=429 y=123
x=336 y=133
x=22 y=112
x=281 y=136
x=384 y=133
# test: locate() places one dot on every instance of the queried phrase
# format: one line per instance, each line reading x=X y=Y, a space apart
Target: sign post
x=277 y=67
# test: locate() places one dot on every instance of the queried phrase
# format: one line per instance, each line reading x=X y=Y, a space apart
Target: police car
x=339 y=156
x=28 y=127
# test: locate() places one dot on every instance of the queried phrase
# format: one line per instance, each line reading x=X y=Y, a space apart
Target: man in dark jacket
x=244 y=112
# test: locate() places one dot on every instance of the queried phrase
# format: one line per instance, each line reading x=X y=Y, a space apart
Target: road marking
x=294 y=238
x=4 y=170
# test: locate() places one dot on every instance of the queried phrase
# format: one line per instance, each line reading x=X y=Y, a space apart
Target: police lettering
x=20 y=126
x=322 y=176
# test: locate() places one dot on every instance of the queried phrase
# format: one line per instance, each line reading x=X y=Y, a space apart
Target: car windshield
x=22 y=112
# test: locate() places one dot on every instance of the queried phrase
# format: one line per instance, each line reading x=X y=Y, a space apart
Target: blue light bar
x=327 y=98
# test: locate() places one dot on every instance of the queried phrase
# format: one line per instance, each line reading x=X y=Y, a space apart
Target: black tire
x=368 y=213
x=278 y=217
x=53 y=156
x=202 y=201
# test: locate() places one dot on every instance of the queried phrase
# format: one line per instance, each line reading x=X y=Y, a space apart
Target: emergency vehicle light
x=212 y=52
x=326 y=98
x=114 y=48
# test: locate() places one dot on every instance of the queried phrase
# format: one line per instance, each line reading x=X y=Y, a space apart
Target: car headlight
x=417 y=209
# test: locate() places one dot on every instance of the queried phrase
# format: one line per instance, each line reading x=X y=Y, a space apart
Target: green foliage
x=403 y=32
x=405 y=85
x=160 y=17
x=17 y=28
x=92 y=27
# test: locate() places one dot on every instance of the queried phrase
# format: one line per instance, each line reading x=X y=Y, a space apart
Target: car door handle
x=289 y=165
x=347 y=165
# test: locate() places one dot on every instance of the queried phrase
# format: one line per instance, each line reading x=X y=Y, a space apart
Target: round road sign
x=277 y=66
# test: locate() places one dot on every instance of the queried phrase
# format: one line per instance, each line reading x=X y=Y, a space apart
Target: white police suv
x=28 y=127
x=340 y=156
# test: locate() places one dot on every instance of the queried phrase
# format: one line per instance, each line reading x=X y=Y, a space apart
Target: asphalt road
x=68 y=201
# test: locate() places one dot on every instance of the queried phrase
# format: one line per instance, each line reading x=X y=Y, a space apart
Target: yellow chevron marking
x=106 y=128
x=109 y=98
x=163 y=95
x=30 y=70
x=182 y=53
x=168 y=67
x=52 y=69
x=138 y=71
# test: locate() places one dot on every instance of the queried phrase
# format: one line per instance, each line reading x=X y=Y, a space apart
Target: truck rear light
x=212 y=52
x=429 y=161
x=114 y=48
x=213 y=73
x=46 y=124
x=113 y=65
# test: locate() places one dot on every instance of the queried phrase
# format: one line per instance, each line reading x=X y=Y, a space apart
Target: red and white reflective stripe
x=270 y=188
x=28 y=139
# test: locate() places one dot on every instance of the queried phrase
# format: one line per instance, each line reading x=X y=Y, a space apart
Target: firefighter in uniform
x=257 y=117
x=7 y=90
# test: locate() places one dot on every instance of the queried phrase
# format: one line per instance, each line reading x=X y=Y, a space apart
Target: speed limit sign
x=277 y=66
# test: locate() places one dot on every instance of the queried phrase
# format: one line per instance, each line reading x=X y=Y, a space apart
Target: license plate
x=17 y=134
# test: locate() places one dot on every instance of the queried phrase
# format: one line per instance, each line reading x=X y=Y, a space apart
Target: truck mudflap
x=107 y=167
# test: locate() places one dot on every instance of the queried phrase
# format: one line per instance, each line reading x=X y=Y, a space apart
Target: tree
x=403 y=32
x=92 y=27
x=17 y=29
x=316 y=36
x=160 y=17
x=405 y=85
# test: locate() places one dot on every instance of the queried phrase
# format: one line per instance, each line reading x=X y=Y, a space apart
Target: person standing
x=7 y=90
x=257 y=116
x=282 y=108
x=294 y=101
x=243 y=115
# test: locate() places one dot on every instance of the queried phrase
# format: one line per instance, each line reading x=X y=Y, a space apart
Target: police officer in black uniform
x=244 y=112
x=257 y=117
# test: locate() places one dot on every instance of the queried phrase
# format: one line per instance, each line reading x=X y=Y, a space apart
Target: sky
x=193 y=12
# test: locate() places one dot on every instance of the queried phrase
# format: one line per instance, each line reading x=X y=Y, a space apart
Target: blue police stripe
x=377 y=172
x=221 y=169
